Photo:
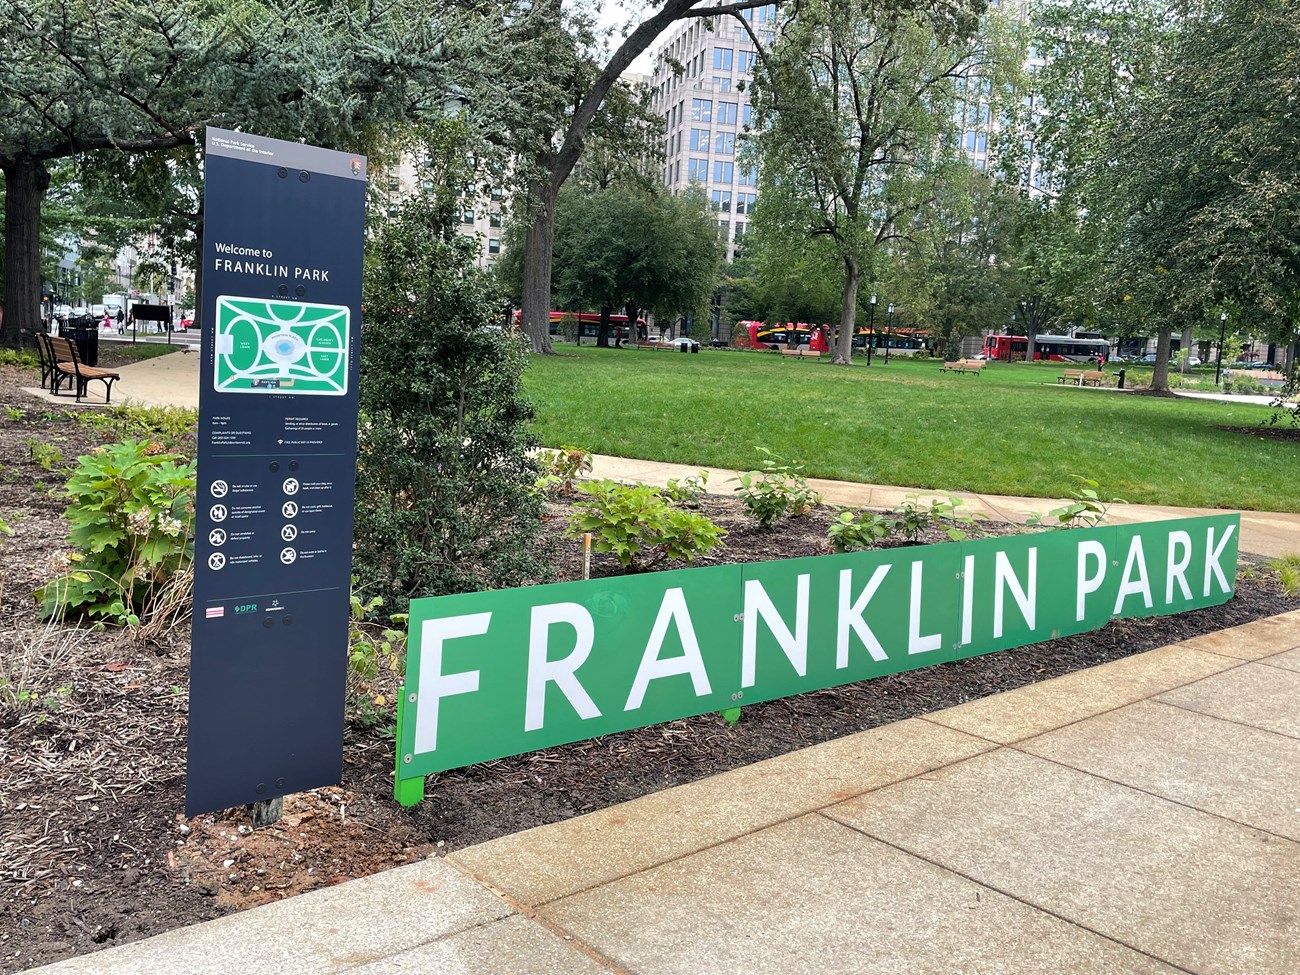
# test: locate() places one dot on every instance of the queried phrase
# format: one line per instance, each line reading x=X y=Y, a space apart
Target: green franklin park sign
x=493 y=674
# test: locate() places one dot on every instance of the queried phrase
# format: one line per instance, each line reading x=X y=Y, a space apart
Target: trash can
x=695 y=347
x=84 y=331
x=683 y=347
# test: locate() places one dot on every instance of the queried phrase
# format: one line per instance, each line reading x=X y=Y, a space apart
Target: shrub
x=561 y=468
x=777 y=488
x=854 y=531
x=689 y=490
x=1087 y=510
x=373 y=648
x=132 y=517
x=445 y=481
x=639 y=526
x=175 y=427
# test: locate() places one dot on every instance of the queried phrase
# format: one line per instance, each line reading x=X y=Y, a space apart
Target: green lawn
x=1012 y=430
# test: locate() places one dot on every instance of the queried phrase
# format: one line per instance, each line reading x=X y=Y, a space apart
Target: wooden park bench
x=1082 y=377
x=1267 y=378
x=656 y=346
x=69 y=367
x=800 y=354
x=975 y=366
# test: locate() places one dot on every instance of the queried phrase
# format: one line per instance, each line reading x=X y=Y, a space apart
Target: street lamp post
x=1223 y=328
x=871 y=328
x=889 y=328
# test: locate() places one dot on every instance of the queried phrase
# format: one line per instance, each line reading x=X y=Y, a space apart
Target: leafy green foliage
x=689 y=490
x=1087 y=510
x=639 y=526
x=856 y=531
x=1288 y=573
x=731 y=716
x=561 y=468
x=19 y=357
x=777 y=488
x=174 y=427
x=374 y=647
x=44 y=455
x=132 y=518
x=445 y=481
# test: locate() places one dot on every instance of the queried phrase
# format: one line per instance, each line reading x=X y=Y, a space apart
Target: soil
x=1286 y=432
x=94 y=850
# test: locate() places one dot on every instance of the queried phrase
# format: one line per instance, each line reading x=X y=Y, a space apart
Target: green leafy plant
x=641 y=528
x=373 y=648
x=914 y=516
x=854 y=531
x=1087 y=510
x=44 y=455
x=14 y=413
x=561 y=468
x=173 y=427
x=689 y=490
x=18 y=357
x=132 y=518
x=446 y=499
x=777 y=488
x=1288 y=573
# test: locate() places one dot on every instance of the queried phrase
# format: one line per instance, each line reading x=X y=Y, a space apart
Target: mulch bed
x=1286 y=432
x=94 y=850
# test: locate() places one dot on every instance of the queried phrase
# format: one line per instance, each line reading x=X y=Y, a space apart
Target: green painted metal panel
x=492 y=674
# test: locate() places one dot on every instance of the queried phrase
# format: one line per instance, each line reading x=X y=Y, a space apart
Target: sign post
x=281 y=304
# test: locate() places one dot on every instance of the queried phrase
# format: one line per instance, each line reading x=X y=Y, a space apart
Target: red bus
x=759 y=335
x=1057 y=348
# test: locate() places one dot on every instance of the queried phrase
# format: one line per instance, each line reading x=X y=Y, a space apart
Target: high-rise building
x=705 y=108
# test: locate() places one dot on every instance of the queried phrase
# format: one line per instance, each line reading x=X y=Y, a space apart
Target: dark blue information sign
x=281 y=320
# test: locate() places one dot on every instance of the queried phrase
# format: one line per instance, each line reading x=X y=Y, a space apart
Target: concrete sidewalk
x=1141 y=816
x=173 y=380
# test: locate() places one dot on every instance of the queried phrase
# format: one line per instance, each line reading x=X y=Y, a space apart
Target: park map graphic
x=286 y=347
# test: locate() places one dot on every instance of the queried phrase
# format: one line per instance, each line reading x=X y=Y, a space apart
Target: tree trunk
x=538 y=247
x=1160 y=377
x=1185 y=361
x=602 y=333
x=843 y=354
x=26 y=181
x=633 y=333
x=1031 y=333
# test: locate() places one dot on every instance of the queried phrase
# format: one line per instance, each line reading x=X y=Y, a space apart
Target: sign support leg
x=410 y=791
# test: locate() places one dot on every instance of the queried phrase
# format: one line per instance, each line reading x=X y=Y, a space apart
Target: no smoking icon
x=219 y=489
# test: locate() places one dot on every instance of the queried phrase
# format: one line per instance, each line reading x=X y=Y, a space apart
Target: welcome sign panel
x=494 y=674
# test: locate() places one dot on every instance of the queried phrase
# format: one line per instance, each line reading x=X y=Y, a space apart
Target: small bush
x=132 y=517
x=639 y=526
x=1087 y=510
x=689 y=491
x=174 y=427
x=855 y=531
x=373 y=648
x=777 y=488
x=561 y=468
x=19 y=357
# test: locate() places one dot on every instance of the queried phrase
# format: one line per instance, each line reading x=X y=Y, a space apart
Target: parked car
x=678 y=343
x=1193 y=361
x=1148 y=358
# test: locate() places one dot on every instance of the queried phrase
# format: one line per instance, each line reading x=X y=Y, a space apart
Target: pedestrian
x=108 y=324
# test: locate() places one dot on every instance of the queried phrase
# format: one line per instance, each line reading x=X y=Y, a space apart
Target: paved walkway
x=172 y=380
x=1138 y=817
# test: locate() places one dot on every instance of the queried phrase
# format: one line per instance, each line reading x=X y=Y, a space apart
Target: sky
x=618 y=16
